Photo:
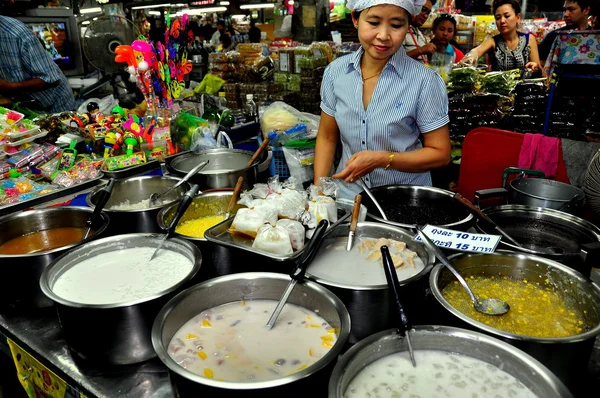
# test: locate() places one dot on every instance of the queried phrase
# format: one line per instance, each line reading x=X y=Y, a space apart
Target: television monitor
x=60 y=38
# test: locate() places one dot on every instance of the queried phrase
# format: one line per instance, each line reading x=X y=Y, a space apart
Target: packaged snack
x=123 y=161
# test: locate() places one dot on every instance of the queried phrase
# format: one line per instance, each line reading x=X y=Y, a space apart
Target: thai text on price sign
x=459 y=240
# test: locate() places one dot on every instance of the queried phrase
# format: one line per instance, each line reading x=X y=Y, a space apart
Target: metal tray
x=39 y=200
x=219 y=235
x=132 y=171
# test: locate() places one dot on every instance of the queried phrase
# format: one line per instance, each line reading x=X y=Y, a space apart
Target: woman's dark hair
x=516 y=5
x=442 y=18
x=225 y=39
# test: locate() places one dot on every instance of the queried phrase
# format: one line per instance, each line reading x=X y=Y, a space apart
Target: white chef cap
x=412 y=6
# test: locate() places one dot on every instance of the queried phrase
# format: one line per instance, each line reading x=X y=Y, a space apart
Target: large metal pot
x=537 y=378
x=567 y=357
x=20 y=282
x=217 y=260
x=114 y=334
x=249 y=286
x=134 y=190
x=408 y=205
x=370 y=305
x=575 y=241
x=224 y=168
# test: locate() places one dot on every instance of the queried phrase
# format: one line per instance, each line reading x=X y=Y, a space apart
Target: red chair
x=486 y=153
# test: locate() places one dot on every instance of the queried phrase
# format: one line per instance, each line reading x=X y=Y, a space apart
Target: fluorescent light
x=256 y=6
x=95 y=19
x=180 y=5
x=199 y=11
x=153 y=13
x=152 y=6
x=90 y=10
x=86 y=23
x=224 y=3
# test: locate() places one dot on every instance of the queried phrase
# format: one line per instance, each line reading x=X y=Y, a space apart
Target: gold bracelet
x=390 y=158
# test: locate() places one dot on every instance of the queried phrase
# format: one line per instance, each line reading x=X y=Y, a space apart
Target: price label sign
x=459 y=240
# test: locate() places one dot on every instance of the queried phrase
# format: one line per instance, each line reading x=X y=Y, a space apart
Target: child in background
x=444 y=29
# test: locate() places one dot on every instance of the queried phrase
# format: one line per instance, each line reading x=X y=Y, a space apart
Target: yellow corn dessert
x=535 y=308
x=197 y=227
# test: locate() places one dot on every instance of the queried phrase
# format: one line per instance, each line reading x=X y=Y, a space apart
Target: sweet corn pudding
x=438 y=374
x=197 y=227
x=230 y=342
x=535 y=308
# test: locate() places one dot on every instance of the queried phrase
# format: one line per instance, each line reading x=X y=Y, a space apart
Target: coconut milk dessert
x=122 y=276
x=363 y=266
x=438 y=374
x=230 y=342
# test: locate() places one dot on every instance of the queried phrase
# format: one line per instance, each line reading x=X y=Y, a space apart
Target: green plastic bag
x=210 y=84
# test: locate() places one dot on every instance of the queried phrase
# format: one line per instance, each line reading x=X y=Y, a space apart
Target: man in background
x=254 y=34
x=576 y=14
x=27 y=69
x=415 y=43
x=216 y=37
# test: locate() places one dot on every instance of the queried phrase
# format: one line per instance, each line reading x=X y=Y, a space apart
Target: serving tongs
x=354 y=222
x=103 y=197
x=154 y=197
x=310 y=250
x=404 y=326
x=184 y=203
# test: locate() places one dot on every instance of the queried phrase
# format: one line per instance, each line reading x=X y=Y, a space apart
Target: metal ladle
x=154 y=197
x=490 y=306
x=370 y=194
x=394 y=285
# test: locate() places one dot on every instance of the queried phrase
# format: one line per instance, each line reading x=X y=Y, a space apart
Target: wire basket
x=278 y=164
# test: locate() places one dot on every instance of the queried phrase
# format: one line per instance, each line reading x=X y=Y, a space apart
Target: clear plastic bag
x=273 y=239
x=295 y=231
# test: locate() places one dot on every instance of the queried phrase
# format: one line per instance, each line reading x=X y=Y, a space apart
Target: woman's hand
x=533 y=66
x=362 y=163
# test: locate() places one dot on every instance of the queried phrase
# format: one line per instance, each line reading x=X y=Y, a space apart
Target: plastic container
x=41 y=134
x=12 y=135
x=278 y=165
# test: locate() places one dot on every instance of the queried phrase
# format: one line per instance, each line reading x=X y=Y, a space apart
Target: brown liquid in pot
x=43 y=240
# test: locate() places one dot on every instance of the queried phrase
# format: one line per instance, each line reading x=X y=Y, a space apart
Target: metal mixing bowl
x=567 y=357
x=523 y=367
x=118 y=333
x=20 y=282
x=247 y=286
x=134 y=190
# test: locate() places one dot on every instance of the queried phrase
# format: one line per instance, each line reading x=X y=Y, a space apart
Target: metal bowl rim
x=164 y=313
x=468 y=219
x=338 y=372
x=105 y=219
x=428 y=265
x=166 y=208
x=44 y=286
x=88 y=199
x=174 y=163
x=433 y=277
x=555 y=183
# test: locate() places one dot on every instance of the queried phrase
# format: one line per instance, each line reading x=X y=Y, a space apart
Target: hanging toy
x=125 y=54
x=144 y=55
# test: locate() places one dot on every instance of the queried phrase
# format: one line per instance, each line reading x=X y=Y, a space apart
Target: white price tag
x=459 y=240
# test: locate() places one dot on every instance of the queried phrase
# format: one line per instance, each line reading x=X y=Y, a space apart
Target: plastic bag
x=273 y=239
x=300 y=158
x=249 y=221
x=183 y=128
x=106 y=104
x=210 y=84
x=296 y=232
x=279 y=116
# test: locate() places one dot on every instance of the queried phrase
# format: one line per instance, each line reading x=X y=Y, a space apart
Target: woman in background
x=510 y=49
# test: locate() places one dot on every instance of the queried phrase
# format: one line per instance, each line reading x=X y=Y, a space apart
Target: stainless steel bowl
x=370 y=306
x=134 y=190
x=247 y=286
x=567 y=357
x=20 y=282
x=224 y=168
x=518 y=364
x=218 y=261
x=427 y=200
x=116 y=334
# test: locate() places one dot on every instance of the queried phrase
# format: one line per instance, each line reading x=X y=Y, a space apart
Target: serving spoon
x=154 y=197
x=394 y=285
x=489 y=306
x=297 y=275
x=103 y=197
x=370 y=194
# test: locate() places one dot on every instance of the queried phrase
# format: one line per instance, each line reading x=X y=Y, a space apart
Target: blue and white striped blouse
x=408 y=99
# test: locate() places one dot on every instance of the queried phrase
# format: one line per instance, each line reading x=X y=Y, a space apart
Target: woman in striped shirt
x=377 y=102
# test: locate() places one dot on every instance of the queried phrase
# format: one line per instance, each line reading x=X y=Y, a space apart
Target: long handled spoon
x=354 y=221
x=297 y=275
x=375 y=202
x=184 y=203
x=154 y=197
x=103 y=197
x=394 y=285
x=490 y=306
x=260 y=149
x=234 y=197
